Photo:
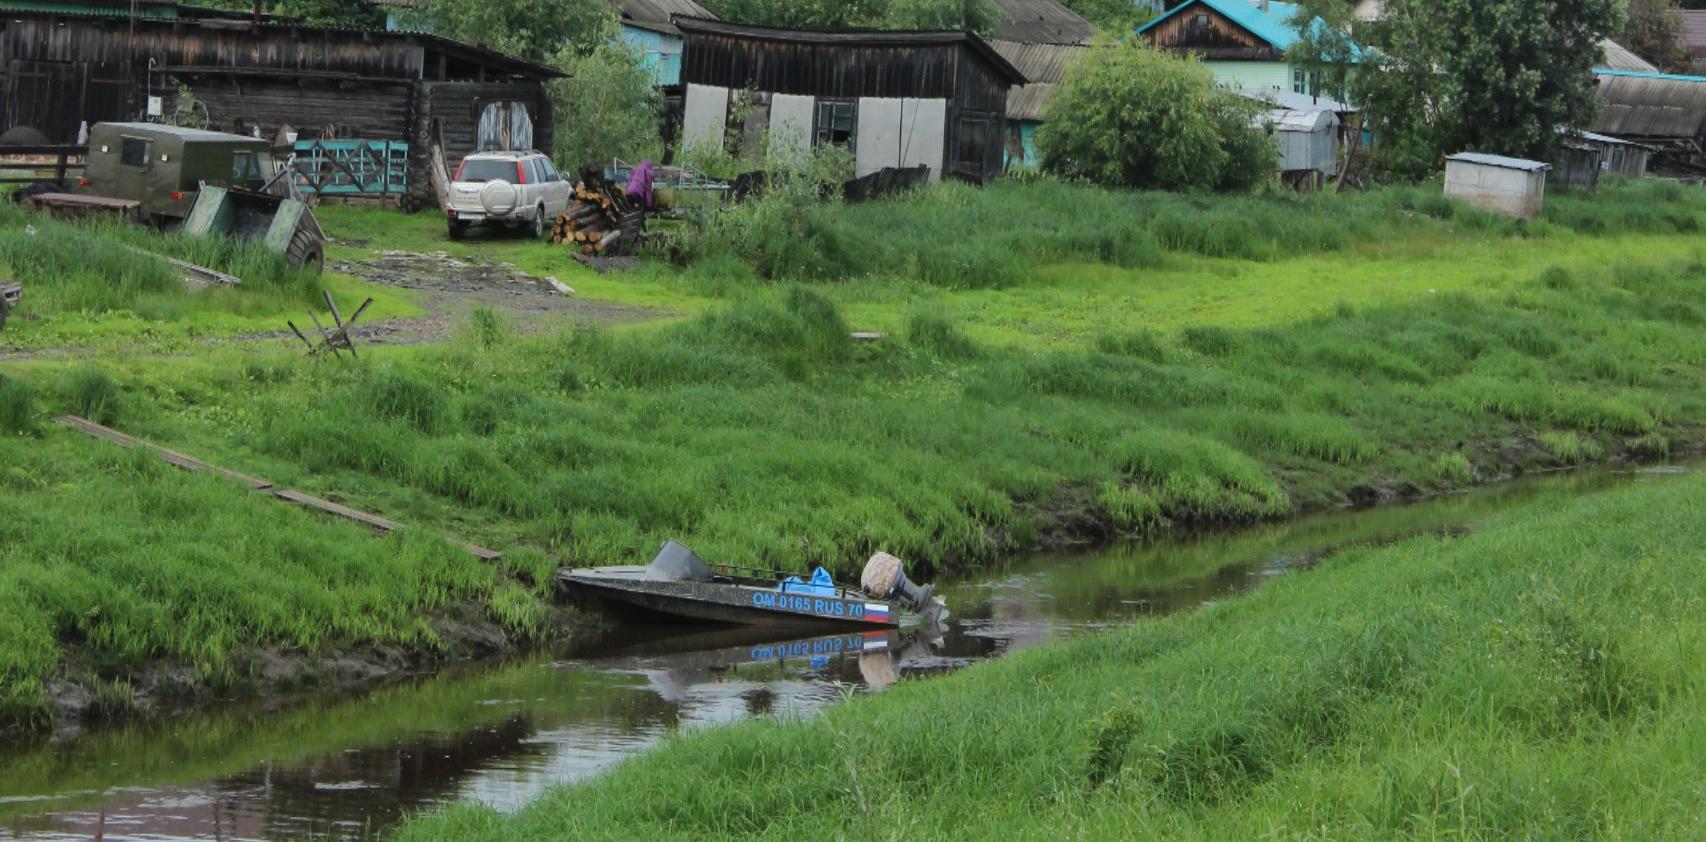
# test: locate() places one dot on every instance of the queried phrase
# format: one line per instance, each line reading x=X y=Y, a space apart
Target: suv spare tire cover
x=499 y=197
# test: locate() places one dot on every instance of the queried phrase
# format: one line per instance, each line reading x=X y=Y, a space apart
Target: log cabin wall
x=846 y=65
x=58 y=72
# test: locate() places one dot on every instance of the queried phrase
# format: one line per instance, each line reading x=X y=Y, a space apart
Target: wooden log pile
x=601 y=220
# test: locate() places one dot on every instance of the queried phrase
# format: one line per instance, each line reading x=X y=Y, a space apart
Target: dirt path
x=452 y=286
x=449 y=288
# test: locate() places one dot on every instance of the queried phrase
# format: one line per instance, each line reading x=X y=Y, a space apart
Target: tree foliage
x=1654 y=32
x=606 y=108
x=975 y=15
x=1500 y=76
x=1116 y=17
x=353 y=14
x=535 y=30
x=1130 y=115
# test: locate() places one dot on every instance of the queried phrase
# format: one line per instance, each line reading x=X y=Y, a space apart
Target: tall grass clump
x=82 y=270
x=17 y=407
x=95 y=395
x=932 y=330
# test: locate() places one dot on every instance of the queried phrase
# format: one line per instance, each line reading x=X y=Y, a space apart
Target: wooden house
x=62 y=70
x=1243 y=42
x=894 y=99
x=1039 y=38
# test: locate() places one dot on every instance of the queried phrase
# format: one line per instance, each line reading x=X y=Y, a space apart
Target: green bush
x=1129 y=115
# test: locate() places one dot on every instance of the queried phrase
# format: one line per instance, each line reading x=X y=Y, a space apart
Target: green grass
x=1355 y=346
x=111 y=560
x=1540 y=678
x=85 y=286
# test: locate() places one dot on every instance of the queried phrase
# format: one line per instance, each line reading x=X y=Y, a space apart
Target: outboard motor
x=885 y=578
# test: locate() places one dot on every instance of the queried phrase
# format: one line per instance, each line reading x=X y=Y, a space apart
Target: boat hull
x=725 y=603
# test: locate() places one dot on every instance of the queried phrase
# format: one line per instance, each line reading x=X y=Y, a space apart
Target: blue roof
x=1642 y=74
x=1272 y=26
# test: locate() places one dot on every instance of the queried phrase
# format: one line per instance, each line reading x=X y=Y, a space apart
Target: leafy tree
x=975 y=15
x=607 y=108
x=1118 y=18
x=535 y=30
x=354 y=14
x=1130 y=115
x=1441 y=76
x=1654 y=32
x=1326 y=46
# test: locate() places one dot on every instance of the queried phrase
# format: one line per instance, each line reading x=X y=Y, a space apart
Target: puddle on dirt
x=501 y=733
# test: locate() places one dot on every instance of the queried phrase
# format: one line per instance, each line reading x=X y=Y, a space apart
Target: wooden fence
x=62 y=162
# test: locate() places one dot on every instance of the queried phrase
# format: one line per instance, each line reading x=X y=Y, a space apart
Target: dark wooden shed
x=59 y=71
x=955 y=77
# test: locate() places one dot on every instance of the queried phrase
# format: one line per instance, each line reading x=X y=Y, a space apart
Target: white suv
x=506 y=188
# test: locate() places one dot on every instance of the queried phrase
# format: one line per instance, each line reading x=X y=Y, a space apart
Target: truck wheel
x=538 y=226
x=458 y=230
x=306 y=252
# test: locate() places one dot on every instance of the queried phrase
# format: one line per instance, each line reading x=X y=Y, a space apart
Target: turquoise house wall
x=661 y=54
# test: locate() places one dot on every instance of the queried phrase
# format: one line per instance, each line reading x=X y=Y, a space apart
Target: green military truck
x=193 y=180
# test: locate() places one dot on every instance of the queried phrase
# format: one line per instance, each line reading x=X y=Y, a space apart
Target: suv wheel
x=458 y=229
x=539 y=222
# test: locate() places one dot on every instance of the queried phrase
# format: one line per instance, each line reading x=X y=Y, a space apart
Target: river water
x=500 y=733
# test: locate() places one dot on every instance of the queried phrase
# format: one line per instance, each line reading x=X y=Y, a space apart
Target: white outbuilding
x=1511 y=186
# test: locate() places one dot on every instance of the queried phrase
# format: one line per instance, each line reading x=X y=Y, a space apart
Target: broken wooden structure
x=63 y=69
x=602 y=218
x=194 y=465
x=10 y=294
x=336 y=339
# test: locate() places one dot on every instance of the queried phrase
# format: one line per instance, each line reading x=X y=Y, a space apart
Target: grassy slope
x=110 y=559
x=82 y=287
x=757 y=432
x=1541 y=678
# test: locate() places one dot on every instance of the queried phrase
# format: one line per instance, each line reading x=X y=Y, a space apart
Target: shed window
x=133 y=152
x=835 y=124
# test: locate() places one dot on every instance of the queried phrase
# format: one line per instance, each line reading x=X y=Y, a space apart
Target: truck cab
x=163 y=167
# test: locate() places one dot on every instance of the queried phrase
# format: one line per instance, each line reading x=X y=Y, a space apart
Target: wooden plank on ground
x=182 y=460
x=338 y=509
x=190 y=463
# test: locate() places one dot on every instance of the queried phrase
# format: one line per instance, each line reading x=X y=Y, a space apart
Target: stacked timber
x=601 y=219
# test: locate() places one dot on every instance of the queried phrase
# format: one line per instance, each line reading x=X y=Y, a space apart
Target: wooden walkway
x=190 y=463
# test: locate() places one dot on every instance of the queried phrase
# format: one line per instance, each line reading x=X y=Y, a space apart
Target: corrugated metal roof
x=1293 y=120
x=1271 y=24
x=1039 y=62
x=1618 y=57
x=1042 y=22
x=1025 y=102
x=1044 y=65
x=1501 y=161
x=1293 y=101
x=1650 y=105
x=655 y=14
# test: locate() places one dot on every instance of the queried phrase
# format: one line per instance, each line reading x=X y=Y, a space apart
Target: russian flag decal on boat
x=876 y=611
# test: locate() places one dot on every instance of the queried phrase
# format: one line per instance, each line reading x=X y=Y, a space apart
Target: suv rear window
x=478 y=170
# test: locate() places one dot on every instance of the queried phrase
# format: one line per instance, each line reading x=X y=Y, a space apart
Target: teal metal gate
x=352 y=167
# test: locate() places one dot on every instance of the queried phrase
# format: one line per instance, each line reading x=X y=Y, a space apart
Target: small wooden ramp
x=190 y=463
